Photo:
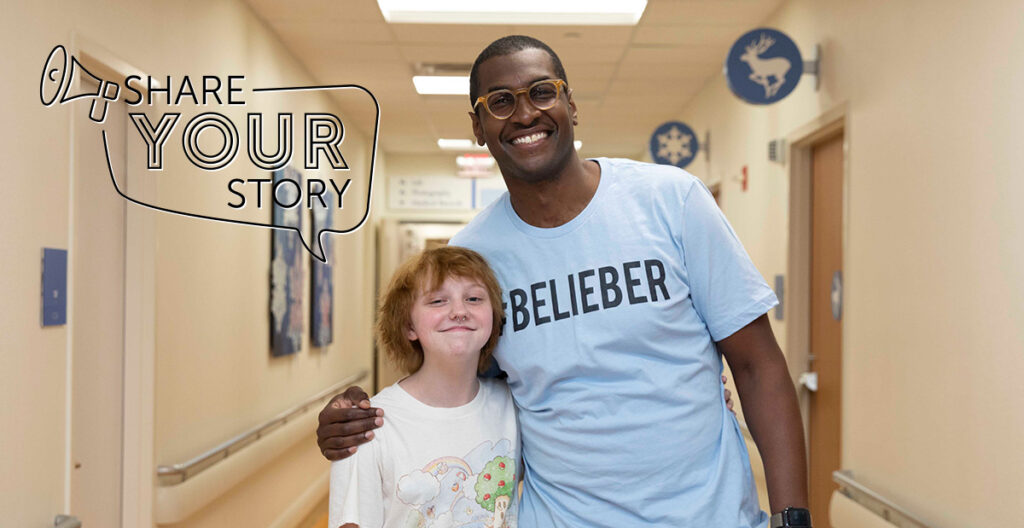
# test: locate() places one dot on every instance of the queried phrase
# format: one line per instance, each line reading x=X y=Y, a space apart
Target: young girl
x=448 y=452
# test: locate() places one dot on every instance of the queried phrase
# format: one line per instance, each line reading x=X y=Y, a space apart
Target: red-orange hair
x=423 y=273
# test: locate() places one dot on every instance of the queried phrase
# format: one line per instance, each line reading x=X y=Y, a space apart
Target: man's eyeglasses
x=502 y=103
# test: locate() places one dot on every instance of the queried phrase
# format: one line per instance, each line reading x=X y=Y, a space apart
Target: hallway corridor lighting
x=469 y=144
x=542 y=12
x=441 y=84
x=459 y=144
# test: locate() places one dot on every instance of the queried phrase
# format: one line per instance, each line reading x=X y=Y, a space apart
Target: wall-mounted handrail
x=875 y=502
x=180 y=472
x=66 y=521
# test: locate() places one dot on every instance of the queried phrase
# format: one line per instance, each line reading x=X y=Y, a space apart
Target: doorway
x=98 y=235
x=824 y=358
x=817 y=226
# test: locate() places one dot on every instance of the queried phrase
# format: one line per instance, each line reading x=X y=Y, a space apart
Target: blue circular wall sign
x=763 y=66
x=674 y=143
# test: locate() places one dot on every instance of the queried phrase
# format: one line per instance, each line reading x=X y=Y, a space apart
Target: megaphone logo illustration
x=59 y=76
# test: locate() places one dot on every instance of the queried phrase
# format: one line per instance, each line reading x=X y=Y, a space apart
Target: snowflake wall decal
x=674 y=143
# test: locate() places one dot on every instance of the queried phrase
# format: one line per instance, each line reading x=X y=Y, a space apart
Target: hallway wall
x=214 y=374
x=933 y=319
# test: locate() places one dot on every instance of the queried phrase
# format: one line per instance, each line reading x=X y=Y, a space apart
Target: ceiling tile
x=656 y=73
x=702 y=35
x=324 y=32
x=589 y=87
x=624 y=89
x=585 y=55
x=447 y=127
x=439 y=53
x=558 y=37
x=629 y=115
x=405 y=118
x=707 y=12
x=453 y=104
x=674 y=54
x=389 y=73
x=405 y=142
x=356 y=52
x=474 y=37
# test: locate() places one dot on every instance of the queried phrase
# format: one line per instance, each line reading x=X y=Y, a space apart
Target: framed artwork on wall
x=322 y=280
x=286 y=272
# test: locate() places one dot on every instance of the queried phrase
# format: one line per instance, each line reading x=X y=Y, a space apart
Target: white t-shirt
x=433 y=467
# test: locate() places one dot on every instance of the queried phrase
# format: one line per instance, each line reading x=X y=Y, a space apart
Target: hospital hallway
x=205 y=199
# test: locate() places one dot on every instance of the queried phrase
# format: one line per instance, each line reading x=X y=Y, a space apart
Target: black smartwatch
x=792 y=518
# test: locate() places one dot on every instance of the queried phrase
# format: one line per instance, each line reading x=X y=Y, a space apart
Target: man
x=625 y=286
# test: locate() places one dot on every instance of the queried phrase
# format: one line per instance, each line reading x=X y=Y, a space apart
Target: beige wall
x=32 y=360
x=214 y=374
x=934 y=324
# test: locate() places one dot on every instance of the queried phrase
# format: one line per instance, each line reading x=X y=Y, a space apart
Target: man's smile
x=532 y=138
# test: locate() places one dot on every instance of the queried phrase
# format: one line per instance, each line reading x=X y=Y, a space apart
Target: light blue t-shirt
x=609 y=347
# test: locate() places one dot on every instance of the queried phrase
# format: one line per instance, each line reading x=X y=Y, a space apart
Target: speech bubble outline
x=321 y=256
x=59 y=61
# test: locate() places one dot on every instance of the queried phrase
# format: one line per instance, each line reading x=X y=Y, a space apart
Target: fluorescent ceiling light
x=469 y=144
x=542 y=12
x=459 y=144
x=441 y=84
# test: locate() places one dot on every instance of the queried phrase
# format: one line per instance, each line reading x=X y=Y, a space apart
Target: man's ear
x=572 y=106
x=478 y=130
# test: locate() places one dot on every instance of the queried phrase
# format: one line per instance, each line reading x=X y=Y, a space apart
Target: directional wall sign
x=763 y=66
x=674 y=143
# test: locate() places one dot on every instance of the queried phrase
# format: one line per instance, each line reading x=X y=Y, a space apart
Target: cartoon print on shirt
x=494 y=488
x=448 y=492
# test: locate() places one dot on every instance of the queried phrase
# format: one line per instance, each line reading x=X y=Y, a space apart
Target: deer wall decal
x=763 y=70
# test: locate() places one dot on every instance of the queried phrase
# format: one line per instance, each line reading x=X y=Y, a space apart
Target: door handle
x=836 y=295
x=809 y=380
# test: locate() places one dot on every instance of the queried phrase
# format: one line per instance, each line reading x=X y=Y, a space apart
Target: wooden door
x=97 y=257
x=826 y=329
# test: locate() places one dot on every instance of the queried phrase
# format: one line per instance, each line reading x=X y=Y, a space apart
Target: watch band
x=791 y=518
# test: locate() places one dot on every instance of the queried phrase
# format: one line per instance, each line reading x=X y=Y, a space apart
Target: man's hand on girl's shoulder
x=346 y=422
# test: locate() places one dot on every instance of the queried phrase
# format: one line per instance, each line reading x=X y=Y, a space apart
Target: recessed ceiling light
x=459 y=144
x=544 y=12
x=469 y=144
x=441 y=84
